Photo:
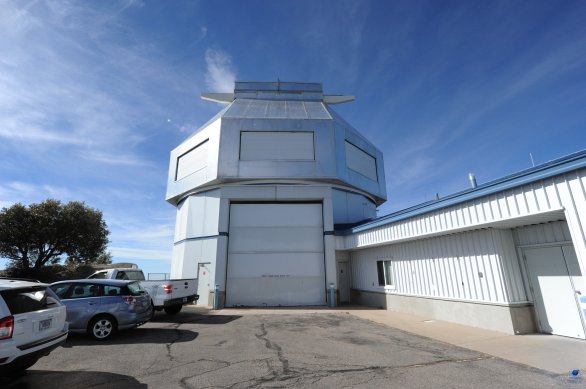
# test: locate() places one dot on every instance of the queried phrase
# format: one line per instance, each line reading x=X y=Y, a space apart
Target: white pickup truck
x=168 y=295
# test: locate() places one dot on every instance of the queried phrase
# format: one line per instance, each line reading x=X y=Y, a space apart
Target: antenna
x=531 y=156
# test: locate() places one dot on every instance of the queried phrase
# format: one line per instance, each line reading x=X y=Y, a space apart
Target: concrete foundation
x=515 y=319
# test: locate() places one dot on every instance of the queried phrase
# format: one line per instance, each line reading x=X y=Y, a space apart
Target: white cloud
x=220 y=74
x=33 y=134
x=65 y=82
x=116 y=159
x=27 y=193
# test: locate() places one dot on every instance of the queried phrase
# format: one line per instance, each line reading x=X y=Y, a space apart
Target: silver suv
x=32 y=323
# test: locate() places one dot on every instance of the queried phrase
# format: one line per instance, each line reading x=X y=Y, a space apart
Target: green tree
x=46 y=233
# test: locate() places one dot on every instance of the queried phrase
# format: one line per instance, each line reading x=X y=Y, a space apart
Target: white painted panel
x=553 y=232
x=467 y=266
x=360 y=161
x=181 y=221
x=513 y=277
x=555 y=301
x=193 y=161
x=275 y=239
x=540 y=202
x=578 y=279
x=274 y=215
x=275 y=255
x=276 y=146
x=204 y=284
x=351 y=207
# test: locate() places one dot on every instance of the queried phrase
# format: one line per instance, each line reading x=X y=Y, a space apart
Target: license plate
x=45 y=324
x=184 y=299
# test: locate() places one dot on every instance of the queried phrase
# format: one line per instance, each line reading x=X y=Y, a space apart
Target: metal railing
x=158 y=276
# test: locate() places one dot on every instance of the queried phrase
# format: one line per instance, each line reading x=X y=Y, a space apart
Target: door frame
x=277 y=202
x=530 y=289
x=347 y=267
x=199 y=264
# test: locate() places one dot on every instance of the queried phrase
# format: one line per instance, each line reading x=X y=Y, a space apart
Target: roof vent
x=472 y=178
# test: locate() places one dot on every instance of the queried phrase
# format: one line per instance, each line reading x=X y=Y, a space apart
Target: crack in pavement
x=295 y=378
x=168 y=345
x=183 y=380
x=275 y=347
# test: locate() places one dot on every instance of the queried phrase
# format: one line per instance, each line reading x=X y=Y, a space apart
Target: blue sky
x=95 y=94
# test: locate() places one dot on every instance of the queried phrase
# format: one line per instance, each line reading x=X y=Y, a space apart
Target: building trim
x=200 y=238
x=553 y=168
x=505 y=304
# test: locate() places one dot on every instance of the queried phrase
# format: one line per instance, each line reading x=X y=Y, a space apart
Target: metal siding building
x=508 y=255
x=274 y=168
x=265 y=192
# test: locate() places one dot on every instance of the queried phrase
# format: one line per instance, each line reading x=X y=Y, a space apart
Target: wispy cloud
x=59 y=86
x=220 y=74
x=120 y=159
x=18 y=191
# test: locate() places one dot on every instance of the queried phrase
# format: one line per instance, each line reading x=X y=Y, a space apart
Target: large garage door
x=275 y=255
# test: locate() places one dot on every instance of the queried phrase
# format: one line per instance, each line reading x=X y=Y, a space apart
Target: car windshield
x=29 y=299
x=135 y=275
x=98 y=276
x=135 y=289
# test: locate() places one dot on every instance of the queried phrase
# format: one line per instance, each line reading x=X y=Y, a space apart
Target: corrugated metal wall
x=439 y=267
x=562 y=193
x=554 y=232
x=475 y=266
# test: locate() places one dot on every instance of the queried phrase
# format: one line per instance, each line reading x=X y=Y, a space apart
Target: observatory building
x=276 y=202
x=259 y=190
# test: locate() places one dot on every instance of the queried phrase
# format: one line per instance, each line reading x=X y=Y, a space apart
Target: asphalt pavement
x=324 y=349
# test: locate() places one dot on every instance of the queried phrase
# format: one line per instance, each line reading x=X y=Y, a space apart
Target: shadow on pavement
x=195 y=318
x=70 y=379
x=140 y=335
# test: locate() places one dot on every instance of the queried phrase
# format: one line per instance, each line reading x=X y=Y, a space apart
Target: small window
x=360 y=161
x=84 y=291
x=277 y=146
x=98 y=276
x=135 y=289
x=135 y=275
x=31 y=299
x=193 y=161
x=385 y=273
x=110 y=290
x=61 y=290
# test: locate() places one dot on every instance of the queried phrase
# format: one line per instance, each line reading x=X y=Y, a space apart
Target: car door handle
x=92 y=303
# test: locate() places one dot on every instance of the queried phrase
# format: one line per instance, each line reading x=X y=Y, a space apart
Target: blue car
x=102 y=307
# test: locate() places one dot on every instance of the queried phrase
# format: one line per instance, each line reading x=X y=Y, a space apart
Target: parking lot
x=200 y=349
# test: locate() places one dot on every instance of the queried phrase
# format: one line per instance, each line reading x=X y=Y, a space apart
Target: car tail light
x=6 y=327
x=129 y=299
x=168 y=289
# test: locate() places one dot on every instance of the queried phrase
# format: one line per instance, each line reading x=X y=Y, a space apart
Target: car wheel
x=173 y=309
x=102 y=327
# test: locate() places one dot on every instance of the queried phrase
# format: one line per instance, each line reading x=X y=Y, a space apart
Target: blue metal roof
x=550 y=169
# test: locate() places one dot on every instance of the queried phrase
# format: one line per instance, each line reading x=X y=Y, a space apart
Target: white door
x=275 y=255
x=203 y=284
x=553 y=291
x=343 y=284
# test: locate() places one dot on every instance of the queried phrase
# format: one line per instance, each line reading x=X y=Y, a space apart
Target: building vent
x=472 y=178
